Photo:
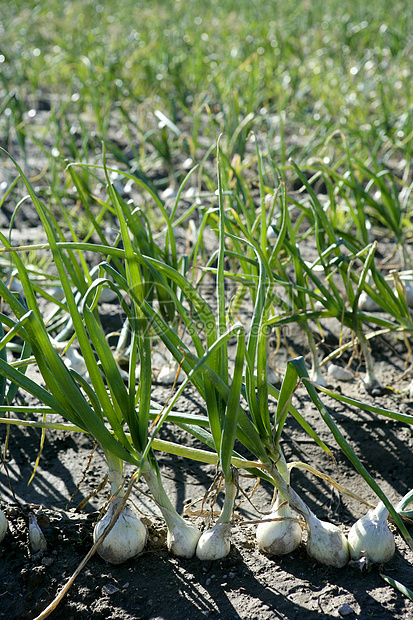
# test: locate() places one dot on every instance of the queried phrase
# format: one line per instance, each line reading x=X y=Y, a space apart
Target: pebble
x=47 y=561
x=110 y=589
x=340 y=373
x=346 y=610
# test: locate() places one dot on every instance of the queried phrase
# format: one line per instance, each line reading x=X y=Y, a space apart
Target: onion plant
x=257 y=430
x=102 y=406
x=105 y=406
x=260 y=433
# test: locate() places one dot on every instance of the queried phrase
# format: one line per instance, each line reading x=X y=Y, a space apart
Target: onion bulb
x=170 y=373
x=127 y=537
x=371 y=537
x=36 y=536
x=182 y=537
x=317 y=376
x=372 y=384
x=326 y=543
x=3 y=525
x=281 y=536
x=73 y=360
x=214 y=543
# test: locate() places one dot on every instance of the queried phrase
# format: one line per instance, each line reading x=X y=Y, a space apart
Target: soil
x=246 y=584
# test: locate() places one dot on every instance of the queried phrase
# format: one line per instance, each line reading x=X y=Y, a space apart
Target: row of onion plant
x=260 y=433
x=118 y=415
x=115 y=414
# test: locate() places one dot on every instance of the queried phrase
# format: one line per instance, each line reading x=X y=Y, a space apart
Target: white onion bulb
x=182 y=537
x=36 y=536
x=3 y=525
x=371 y=382
x=370 y=537
x=169 y=373
x=214 y=543
x=326 y=543
x=75 y=361
x=282 y=536
x=317 y=377
x=125 y=540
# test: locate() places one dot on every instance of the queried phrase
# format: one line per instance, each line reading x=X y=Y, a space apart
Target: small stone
x=110 y=589
x=47 y=561
x=208 y=581
x=231 y=575
x=340 y=373
x=125 y=585
x=346 y=610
